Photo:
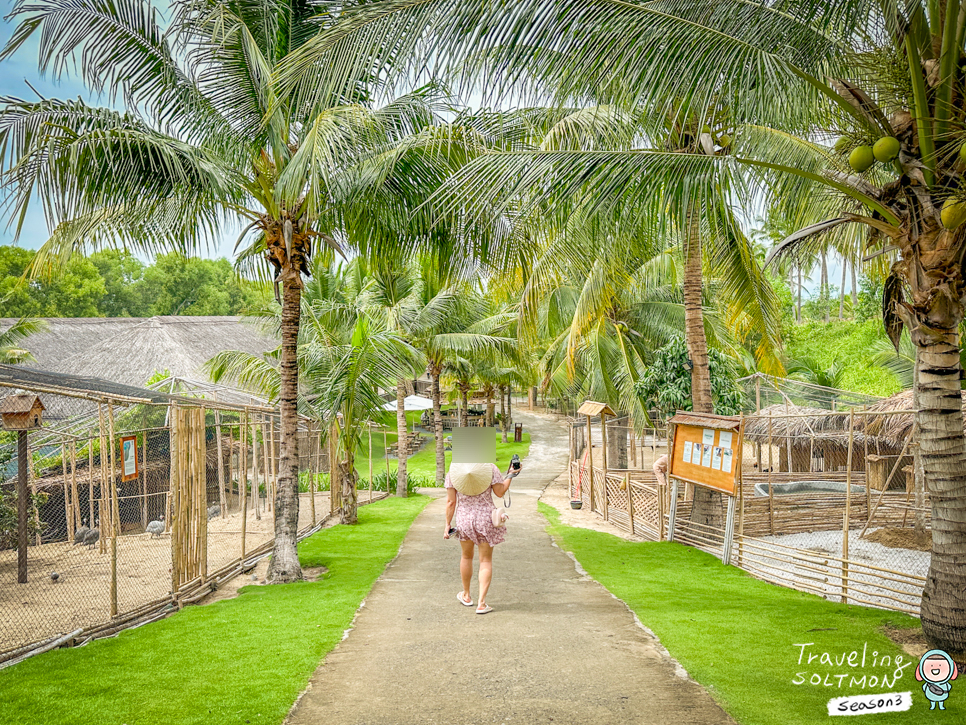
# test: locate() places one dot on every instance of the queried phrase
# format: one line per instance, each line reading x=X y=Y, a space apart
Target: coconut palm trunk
x=434 y=372
x=348 y=478
x=401 y=438
x=490 y=407
x=503 y=420
x=707 y=504
x=464 y=403
x=284 y=566
x=943 y=455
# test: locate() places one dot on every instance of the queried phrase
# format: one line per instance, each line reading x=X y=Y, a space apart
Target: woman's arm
x=450 y=510
x=503 y=486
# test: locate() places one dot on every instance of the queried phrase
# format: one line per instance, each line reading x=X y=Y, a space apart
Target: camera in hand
x=515 y=462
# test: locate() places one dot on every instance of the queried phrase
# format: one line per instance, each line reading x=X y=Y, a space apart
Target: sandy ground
x=43 y=608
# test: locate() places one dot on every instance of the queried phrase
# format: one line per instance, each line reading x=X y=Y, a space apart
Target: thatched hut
x=817 y=439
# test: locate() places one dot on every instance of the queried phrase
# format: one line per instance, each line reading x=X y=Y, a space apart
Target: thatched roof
x=799 y=422
x=895 y=428
x=130 y=350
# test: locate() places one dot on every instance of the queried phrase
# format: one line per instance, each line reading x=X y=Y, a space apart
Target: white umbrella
x=412 y=402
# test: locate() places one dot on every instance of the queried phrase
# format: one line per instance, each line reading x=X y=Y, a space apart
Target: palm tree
x=436 y=316
x=790 y=73
x=207 y=137
x=346 y=359
x=10 y=351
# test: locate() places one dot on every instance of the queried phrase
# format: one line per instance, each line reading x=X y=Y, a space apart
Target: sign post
x=706 y=451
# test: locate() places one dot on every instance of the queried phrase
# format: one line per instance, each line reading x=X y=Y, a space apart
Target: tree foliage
x=666 y=384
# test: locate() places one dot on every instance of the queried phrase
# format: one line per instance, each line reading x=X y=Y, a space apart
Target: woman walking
x=468 y=487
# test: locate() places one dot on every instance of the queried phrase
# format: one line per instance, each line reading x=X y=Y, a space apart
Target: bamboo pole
x=865 y=467
x=90 y=479
x=570 y=460
x=68 y=512
x=115 y=513
x=144 y=480
x=256 y=494
x=630 y=500
x=222 y=499
x=370 y=462
x=231 y=456
x=73 y=484
x=266 y=449
x=885 y=486
x=102 y=507
x=385 y=448
x=771 y=491
x=314 y=467
x=788 y=443
x=203 y=493
x=274 y=458
x=848 y=511
x=243 y=475
x=590 y=468
x=335 y=484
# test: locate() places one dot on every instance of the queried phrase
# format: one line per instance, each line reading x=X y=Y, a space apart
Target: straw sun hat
x=471 y=479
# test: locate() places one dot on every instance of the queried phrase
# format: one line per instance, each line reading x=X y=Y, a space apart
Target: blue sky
x=17 y=71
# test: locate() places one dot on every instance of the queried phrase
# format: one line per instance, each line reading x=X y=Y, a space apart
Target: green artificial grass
x=737 y=635
x=241 y=660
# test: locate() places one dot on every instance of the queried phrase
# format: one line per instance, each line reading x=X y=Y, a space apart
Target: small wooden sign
x=130 y=467
x=707 y=450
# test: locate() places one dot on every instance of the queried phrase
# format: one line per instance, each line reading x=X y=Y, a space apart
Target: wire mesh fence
x=135 y=506
x=829 y=502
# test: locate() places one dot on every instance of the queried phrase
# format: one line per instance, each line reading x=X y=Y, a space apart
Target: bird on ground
x=92 y=536
x=214 y=511
x=155 y=528
x=81 y=533
x=54 y=576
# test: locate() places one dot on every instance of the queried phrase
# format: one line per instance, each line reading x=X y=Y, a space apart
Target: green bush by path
x=736 y=635
x=241 y=660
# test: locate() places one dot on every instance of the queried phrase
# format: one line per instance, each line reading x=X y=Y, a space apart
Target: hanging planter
x=576 y=504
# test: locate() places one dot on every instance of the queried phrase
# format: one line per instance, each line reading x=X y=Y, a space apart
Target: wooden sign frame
x=125 y=474
x=706 y=450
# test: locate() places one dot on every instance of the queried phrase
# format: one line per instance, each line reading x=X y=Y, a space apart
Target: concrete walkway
x=557 y=647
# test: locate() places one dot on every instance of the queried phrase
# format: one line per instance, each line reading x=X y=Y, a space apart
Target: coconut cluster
x=863 y=157
x=886 y=149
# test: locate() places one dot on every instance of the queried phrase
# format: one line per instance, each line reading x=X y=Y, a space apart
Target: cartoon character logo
x=935 y=670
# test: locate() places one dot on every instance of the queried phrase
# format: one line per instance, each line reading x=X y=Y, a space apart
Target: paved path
x=557 y=647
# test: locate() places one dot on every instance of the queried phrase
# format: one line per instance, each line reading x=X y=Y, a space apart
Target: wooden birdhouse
x=22 y=412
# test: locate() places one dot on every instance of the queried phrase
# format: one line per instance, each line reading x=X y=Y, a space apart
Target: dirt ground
x=901 y=539
x=80 y=596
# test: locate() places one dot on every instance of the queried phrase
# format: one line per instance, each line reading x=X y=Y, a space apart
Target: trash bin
x=517 y=433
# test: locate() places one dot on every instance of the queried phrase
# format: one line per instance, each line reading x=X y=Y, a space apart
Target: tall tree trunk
x=855 y=292
x=490 y=407
x=707 y=503
x=349 y=509
x=503 y=420
x=798 y=302
x=823 y=285
x=943 y=452
x=284 y=566
x=434 y=372
x=509 y=406
x=464 y=400
x=842 y=290
x=401 y=432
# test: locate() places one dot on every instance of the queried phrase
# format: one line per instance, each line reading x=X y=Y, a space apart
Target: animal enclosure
x=856 y=531
x=140 y=502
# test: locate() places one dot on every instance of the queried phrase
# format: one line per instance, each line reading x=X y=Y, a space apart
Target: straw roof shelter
x=130 y=350
x=894 y=427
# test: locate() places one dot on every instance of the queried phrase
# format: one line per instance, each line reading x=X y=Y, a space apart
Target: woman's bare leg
x=486 y=572
x=466 y=567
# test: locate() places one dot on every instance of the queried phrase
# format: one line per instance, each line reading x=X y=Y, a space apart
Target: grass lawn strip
x=242 y=660
x=737 y=635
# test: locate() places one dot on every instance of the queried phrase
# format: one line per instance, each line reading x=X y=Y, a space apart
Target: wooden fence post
x=630 y=500
x=848 y=511
x=771 y=492
x=115 y=526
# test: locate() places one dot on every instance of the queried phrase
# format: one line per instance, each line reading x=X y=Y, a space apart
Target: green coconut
x=886 y=149
x=861 y=158
x=724 y=141
x=962 y=153
x=706 y=129
x=954 y=213
x=842 y=144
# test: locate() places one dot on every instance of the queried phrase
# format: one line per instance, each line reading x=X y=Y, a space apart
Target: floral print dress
x=474 y=515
